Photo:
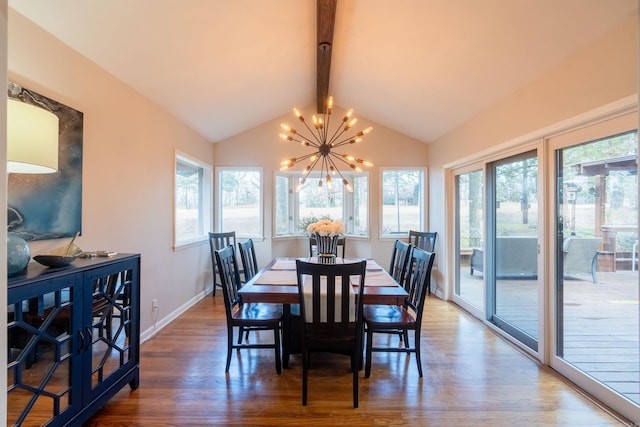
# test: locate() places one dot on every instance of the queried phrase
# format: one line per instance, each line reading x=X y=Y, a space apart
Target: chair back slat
x=425 y=240
x=249 y=260
x=399 y=260
x=313 y=247
x=229 y=277
x=418 y=280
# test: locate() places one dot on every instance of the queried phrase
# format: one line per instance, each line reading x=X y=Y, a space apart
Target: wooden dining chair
x=248 y=258
x=313 y=247
x=254 y=315
x=219 y=241
x=399 y=259
x=425 y=240
x=250 y=268
x=331 y=322
x=388 y=319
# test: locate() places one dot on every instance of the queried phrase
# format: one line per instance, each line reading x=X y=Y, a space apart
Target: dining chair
x=254 y=315
x=250 y=268
x=313 y=247
x=248 y=258
x=218 y=241
x=331 y=321
x=388 y=319
x=425 y=240
x=399 y=259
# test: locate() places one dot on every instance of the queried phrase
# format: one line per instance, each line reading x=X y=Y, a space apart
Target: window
x=192 y=200
x=240 y=201
x=402 y=201
x=295 y=210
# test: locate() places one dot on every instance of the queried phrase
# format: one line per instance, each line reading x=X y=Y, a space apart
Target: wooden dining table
x=277 y=283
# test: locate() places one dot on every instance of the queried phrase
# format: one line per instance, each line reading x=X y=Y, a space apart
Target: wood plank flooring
x=471 y=377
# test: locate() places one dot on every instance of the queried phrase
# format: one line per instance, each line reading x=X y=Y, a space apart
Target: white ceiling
x=421 y=67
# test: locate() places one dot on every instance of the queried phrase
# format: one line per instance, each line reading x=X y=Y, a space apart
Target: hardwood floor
x=471 y=377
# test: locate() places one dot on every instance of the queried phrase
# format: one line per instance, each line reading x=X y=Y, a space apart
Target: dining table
x=276 y=283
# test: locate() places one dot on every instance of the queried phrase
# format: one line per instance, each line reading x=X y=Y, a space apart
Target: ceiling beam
x=326 y=20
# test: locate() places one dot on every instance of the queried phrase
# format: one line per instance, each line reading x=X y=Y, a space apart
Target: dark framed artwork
x=49 y=206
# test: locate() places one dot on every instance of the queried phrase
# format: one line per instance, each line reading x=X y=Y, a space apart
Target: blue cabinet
x=73 y=339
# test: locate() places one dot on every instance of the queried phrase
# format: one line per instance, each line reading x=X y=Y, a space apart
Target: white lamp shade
x=32 y=139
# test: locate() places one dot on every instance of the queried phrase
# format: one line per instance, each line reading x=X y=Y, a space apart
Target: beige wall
x=128 y=165
x=603 y=73
x=261 y=147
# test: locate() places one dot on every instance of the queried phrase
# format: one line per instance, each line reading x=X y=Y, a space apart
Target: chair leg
x=229 y=346
x=305 y=372
x=240 y=334
x=276 y=339
x=417 y=345
x=405 y=334
x=355 y=362
x=367 y=365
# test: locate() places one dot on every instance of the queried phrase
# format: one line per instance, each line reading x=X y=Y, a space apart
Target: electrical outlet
x=154 y=304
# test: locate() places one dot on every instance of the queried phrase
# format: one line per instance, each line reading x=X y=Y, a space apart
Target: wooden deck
x=601 y=323
x=471 y=377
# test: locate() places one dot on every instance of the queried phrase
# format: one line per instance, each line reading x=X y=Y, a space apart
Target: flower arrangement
x=326 y=227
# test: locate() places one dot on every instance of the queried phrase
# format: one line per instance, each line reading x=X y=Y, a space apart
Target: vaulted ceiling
x=421 y=67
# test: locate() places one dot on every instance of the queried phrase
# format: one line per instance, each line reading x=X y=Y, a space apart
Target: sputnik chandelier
x=324 y=147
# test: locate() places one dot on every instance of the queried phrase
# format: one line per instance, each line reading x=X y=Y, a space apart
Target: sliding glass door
x=469 y=207
x=512 y=247
x=596 y=257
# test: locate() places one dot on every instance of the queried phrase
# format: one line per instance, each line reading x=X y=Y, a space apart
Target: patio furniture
x=580 y=256
x=516 y=257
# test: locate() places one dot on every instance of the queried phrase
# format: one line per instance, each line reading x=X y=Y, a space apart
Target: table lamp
x=32 y=147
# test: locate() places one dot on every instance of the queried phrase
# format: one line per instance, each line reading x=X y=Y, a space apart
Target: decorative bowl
x=55 y=260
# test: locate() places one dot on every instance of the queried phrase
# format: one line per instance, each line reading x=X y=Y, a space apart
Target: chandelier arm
x=345 y=141
x=338 y=132
x=342 y=159
x=305 y=157
x=315 y=136
x=310 y=141
x=337 y=170
x=327 y=119
x=313 y=165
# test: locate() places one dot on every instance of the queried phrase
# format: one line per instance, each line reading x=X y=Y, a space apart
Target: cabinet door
x=111 y=301
x=43 y=352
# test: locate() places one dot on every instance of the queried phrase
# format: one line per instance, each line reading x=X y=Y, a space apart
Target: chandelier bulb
x=288 y=128
x=320 y=183
x=286 y=137
x=350 y=124
x=348 y=115
x=298 y=115
x=329 y=105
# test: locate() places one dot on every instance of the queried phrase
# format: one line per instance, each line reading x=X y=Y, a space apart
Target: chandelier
x=323 y=145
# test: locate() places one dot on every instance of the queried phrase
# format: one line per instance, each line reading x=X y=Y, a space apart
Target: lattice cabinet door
x=42 y=352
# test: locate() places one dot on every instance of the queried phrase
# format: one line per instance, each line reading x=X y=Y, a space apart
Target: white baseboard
x=152 y=331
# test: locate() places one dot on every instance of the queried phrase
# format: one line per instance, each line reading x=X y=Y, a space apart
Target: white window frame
x=205 y=214
x=348 y=205
x=219 y=225
x=422 y=204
